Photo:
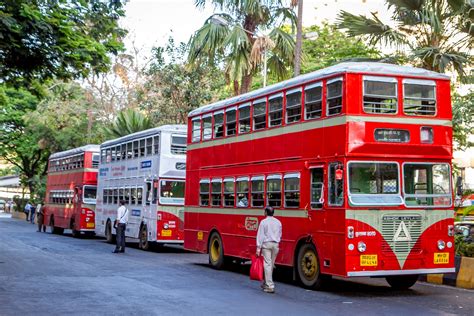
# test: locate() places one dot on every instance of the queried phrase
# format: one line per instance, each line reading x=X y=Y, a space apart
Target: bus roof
x=348 y=67
x=180 y=129
x=75 y=151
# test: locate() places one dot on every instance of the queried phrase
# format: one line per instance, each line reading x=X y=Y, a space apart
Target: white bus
x=147 y=170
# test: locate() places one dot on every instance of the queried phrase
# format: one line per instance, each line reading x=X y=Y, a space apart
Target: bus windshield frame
x=163 y=200
x=89 y=200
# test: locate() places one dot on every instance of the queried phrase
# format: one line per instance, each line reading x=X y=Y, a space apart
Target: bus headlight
x=361 y=246
x=165 y=225
x=449 y=244
x=441 y=245
x=87 y=219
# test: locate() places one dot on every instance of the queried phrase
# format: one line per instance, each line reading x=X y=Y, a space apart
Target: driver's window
x=317 y=188
x=335 y=184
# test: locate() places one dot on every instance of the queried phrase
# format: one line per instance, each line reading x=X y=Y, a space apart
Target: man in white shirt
x=268 y=239
x=122 y=220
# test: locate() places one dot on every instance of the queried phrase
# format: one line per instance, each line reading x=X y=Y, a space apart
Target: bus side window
x=292 y=190
x=155 y=191
x=133 y=196
x=148 y=193
x=317 y=188
x=204 y=192
x=335 y=184
x=257 y=190
x=140 y=196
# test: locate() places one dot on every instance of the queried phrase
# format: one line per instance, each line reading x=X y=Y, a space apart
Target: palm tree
x=438 y=34
x=230 y=36
x=127 y=122
x=299 y=35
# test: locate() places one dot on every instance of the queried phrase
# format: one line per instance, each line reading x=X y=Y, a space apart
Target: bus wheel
x=216 y=251
x=108 y=233
x=54 y=229
x=143 y=243
x=402 y=282
x=308 y=267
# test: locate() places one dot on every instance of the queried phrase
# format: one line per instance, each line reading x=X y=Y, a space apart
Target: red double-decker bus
x=355 y=159
x=71 y=190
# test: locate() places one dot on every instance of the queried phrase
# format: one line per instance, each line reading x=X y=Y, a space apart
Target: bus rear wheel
x=54 y=229
x=75 y=233
x=308 y=268
x=216 y=251
x=402 y=282
x=109 y=237
x=143 y=243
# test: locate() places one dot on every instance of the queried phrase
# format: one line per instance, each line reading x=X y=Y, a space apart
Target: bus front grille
x=401 y=232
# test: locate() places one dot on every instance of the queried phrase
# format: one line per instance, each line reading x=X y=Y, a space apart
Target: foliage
x=240 y=28
x=64 y=39
x=463 y=247
x=463 y=119
x=170 y=92
x=128 y=121
x=437 y=33
x=327 y=46
x=18 y=144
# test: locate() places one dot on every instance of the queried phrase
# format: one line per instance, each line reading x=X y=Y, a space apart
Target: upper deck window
x=231 y=121
x=207 y=127
x=275 y=109
x=293 y=105
x=95 y=160
x=178 y=145
x=419 y=97
x=334 y=96
x=136 y=149
x=149 y=146
x=313 y=101
x=380 y=95
x=196 y=133
x=244 y=118
x=142 y=147
x=156 y=144
x=129 y=150
x=218 y=124
x=259 y=114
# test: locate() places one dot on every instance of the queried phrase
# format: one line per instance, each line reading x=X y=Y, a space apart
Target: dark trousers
x=32 y=216
x=40 y=222
x=121 y=236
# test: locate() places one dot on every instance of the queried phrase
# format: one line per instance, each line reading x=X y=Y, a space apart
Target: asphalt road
x=45 y=274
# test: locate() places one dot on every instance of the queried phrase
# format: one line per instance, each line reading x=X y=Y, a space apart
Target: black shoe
x=116 y=251
x=122 y=251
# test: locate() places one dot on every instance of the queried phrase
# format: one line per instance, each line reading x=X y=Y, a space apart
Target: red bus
x=71 y=190
x=355 y=159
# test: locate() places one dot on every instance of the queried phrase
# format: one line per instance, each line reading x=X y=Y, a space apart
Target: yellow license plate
x=368 y=260
x=441 y=257
x=90 y=225
x=166 y=232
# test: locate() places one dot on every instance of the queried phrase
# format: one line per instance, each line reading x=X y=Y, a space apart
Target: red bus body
x=71 y=190
x=387 y=145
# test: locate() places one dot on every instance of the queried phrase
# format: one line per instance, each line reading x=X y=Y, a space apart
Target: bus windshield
x=427 y=184
x=89 y=194
x=374 y=183
x=172 y=192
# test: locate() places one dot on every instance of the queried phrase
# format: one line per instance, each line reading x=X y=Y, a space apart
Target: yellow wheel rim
x=215 y=250
x=309 y=264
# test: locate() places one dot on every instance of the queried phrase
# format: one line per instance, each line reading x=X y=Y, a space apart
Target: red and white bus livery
x=356 y=160
x=71 y=190
x=147 y=170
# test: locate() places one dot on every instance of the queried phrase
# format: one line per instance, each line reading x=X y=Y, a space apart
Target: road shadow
x=355 y=287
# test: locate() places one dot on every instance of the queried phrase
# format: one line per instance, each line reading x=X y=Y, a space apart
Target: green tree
x=65 y=39
x=170 y=93
x=19 y=145
x=438 y=34
x=463 y=119
x=127 y=122
x=237 y=37
x=325 y=45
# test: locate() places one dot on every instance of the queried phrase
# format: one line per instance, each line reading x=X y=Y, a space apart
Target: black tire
x=308 y=268
x=402 y=282
x=54 y=229
x=216 y=251
x=143 y=242
x=109 y=237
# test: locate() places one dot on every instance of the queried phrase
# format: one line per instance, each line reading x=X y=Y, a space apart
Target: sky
x=152 y=22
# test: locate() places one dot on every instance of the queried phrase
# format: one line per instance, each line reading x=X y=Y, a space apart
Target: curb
x=463 y=277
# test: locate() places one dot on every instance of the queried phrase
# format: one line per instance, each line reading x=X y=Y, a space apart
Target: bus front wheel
x=143 y=243
x=216 y=251
x=402 y=282
x=308 y=267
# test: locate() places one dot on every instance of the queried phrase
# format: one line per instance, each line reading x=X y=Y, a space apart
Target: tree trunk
x=299 y=38
x=236 y=87
x=246 y=82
